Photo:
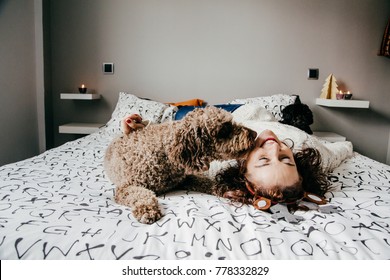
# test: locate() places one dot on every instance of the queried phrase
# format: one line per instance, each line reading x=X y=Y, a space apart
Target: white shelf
x=343 y=103
x=80 y=96
x=329 y=136
x=79 y=128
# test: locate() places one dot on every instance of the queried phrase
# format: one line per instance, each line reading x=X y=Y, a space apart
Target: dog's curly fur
x=156 y=159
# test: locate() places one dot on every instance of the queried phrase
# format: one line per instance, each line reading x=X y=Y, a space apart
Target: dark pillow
x=184 y=110
x=298 y=115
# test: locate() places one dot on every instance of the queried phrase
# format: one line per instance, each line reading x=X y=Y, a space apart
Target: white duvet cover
x=59 y=205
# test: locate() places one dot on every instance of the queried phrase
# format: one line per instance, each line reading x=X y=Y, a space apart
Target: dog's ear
x=187 y=148
x=225 y=130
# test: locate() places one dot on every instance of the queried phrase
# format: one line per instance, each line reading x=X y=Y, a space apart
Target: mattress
x=59 y=205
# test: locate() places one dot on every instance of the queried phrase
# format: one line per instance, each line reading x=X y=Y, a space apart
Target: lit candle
x=348 y=95
x=82 y=89
x=340 y=95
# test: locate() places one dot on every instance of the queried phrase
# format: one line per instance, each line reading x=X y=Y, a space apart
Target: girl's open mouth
x=269 y=139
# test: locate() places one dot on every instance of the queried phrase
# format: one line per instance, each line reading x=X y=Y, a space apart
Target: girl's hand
x=131 y=123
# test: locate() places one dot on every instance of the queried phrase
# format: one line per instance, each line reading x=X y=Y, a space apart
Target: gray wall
x=18 y=105
x=218 y=50
x=172 y=50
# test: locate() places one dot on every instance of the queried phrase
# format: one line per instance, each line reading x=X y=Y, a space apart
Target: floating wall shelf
x=343 y=103
x=80 y=96
x=80 y=128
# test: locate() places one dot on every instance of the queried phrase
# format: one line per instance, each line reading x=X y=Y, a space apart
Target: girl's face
x=271 y=167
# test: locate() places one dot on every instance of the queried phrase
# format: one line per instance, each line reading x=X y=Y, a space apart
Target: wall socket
x=312 y=74
x=108 y=68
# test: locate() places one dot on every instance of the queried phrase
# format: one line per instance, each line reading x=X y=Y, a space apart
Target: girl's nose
x=274 y=147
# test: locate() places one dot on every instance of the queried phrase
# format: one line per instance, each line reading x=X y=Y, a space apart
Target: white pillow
x=153 y=111
x=252 y=112
x=273 y=103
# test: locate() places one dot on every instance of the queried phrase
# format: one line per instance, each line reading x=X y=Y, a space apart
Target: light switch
x=108 y=68
x=312 y=74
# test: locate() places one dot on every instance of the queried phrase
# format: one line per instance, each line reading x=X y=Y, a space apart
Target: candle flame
x=82 y=86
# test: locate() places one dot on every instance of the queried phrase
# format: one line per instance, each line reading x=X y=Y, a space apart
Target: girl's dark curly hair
x=231 y=183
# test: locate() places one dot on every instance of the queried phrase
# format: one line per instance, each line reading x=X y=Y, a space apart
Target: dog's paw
x=147 y=213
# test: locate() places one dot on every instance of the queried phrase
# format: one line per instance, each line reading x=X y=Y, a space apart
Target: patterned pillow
x=273 y=103
x=154 y=111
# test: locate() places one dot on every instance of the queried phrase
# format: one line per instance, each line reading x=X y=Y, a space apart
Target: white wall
x=219 y=50
x=18 y=107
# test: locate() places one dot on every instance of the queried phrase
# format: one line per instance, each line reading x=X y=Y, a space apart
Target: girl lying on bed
x=285 y=164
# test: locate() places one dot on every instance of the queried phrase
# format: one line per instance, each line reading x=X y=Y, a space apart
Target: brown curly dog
x=156 y=159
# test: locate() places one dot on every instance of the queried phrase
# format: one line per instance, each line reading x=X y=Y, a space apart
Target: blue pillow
x=184 y=110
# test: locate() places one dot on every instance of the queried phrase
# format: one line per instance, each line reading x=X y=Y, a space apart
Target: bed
x=59 y=205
